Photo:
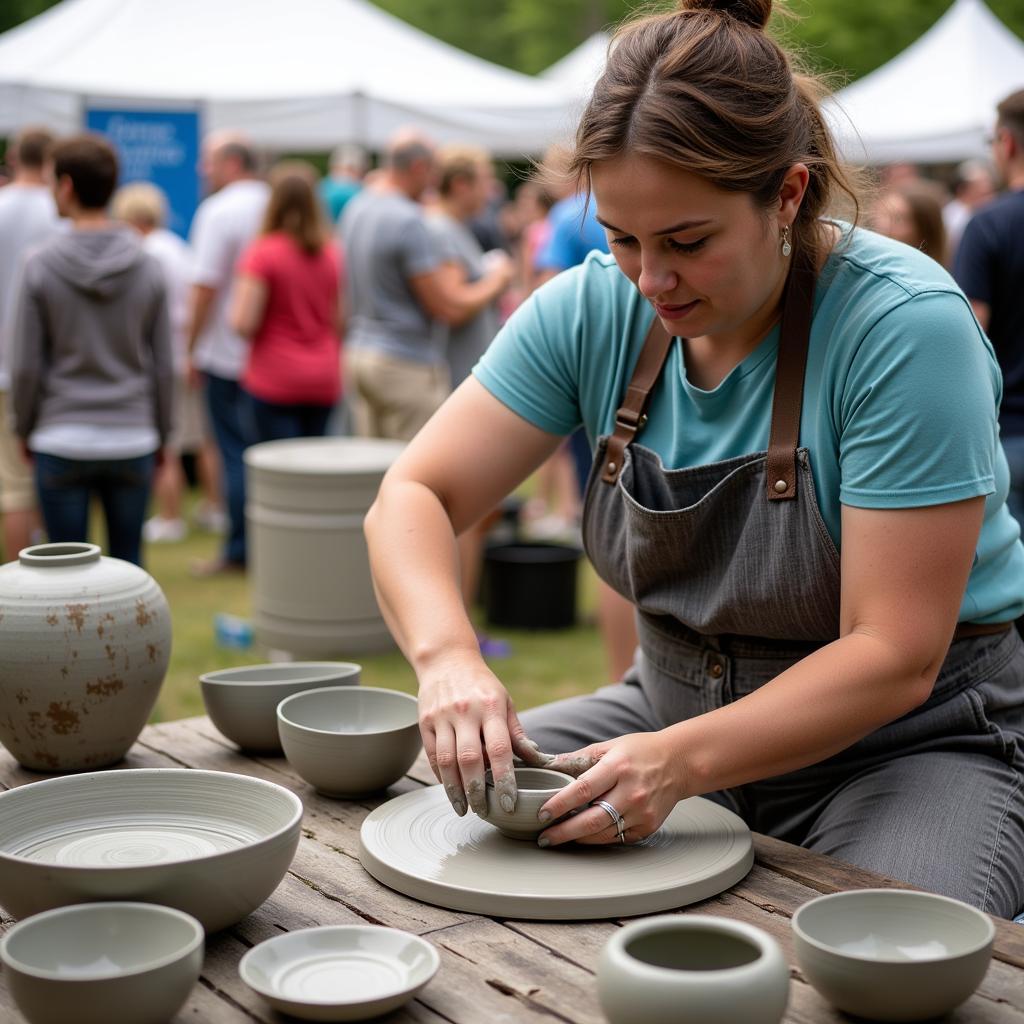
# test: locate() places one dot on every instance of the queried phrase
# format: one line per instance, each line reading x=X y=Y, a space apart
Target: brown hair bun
x=750 y=12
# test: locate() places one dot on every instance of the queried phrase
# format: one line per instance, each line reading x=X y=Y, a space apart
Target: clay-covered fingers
x=498 y=747
x=522 y=746
x=588 y=787
x=445 y=766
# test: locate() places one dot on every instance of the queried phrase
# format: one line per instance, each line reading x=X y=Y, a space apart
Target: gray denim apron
x=735 y=578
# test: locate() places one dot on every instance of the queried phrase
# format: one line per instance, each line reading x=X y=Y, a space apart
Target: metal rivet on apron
x=716 y=669
x=781 y=486
x=611 y=467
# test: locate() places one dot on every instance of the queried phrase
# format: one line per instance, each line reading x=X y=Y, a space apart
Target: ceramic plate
x=342 y=972
x=419 y=846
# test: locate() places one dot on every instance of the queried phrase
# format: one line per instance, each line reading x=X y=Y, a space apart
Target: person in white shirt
x=28 y=216
x=224 y=224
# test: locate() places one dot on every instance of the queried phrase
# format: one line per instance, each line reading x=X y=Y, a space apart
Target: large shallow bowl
x=350 y=741
x=693 y=969
x=212 y=844
x=891 y=954
x=340 y=972
x=242 y=702
x=133 y=963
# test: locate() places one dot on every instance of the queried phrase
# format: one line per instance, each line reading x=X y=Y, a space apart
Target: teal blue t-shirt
x=900 y=406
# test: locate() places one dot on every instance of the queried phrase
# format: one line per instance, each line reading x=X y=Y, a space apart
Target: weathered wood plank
x=493 y=973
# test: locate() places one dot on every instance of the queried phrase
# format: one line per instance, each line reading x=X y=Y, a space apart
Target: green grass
x=543 y=666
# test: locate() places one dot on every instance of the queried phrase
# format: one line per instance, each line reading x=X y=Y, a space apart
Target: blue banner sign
x=159 y=146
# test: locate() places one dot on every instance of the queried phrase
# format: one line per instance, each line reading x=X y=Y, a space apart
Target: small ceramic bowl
x=890 y=954
x=134 y=963
x=342 y=972
x=692 y=969
x=536 y=787
x=242 y=702
x=350 y=741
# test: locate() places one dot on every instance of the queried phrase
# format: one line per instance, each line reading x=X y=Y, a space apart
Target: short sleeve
x=212 y=252
x=447 y=250
x=973 y=267
x=532 y=366
x=918 y=409
x=254 y=260
x=418 y=251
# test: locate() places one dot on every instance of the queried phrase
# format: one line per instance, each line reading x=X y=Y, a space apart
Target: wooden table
x=492 y=970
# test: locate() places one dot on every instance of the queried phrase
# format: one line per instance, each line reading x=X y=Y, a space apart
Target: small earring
x=787 y=248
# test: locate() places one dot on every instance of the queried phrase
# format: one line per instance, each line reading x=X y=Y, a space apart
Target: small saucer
x=340 y=972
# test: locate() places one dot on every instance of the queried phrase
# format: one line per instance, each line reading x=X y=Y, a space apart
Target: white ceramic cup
x=692 y=969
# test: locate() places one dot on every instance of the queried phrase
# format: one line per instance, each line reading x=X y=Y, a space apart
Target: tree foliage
x=845 y=37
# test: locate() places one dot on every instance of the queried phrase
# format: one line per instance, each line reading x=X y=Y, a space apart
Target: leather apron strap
x=797 y=309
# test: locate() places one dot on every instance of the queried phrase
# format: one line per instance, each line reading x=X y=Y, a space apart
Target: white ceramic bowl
x=340 y=973
x=242 y=702
x=536 y=786
x=692 y=969
x=350 y=741
x=212 y=844
x=891 y=954
x=134 y=963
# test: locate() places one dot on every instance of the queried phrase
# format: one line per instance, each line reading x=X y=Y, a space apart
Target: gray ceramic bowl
x=340 y=972
x=692 y=969
x=242 y=702
x=134 y=963
x=536 y=787
x=212 y=844
x=890 y=954
x=350 y=741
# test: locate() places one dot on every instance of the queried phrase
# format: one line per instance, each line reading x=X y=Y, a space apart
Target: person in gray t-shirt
x=474 y=277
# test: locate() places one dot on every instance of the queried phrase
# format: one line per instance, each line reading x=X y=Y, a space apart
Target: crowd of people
x=355 y=303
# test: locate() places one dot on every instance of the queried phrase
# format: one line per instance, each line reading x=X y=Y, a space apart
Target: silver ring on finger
x=622 y=837
x=610 y=811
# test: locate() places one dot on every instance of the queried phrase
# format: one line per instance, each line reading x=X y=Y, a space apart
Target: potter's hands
x=641 y=775
x=468 y=724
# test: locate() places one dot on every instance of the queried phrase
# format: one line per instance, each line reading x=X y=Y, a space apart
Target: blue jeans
x=231 y=419
x=66 y=486
x=274 y=422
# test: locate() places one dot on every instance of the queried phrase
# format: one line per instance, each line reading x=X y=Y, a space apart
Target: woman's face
x=708 y=260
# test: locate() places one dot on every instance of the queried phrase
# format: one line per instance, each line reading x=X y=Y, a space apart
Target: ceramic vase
x=84 y=646
x=692 y=969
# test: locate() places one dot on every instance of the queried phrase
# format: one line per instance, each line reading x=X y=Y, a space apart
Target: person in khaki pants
x=401 y=304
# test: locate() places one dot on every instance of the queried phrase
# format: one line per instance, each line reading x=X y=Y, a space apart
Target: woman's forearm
x=813 y=710
x=415 y=566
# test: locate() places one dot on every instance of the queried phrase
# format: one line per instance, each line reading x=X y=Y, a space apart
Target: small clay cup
x=536 y=787
x=692 y=969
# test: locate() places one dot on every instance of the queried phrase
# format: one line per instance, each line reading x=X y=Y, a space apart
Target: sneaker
x=209 y=518
x=159 y=530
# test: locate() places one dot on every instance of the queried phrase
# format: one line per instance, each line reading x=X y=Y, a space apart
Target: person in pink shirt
x=287 y=302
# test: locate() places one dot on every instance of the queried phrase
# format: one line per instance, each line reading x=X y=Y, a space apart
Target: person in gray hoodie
x=91 y=359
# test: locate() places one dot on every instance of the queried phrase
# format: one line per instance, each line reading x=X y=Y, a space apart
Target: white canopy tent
x=301 y=74
x=934 y=102
x=579 y=69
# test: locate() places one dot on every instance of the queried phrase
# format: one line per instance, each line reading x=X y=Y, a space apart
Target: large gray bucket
x=309 y=570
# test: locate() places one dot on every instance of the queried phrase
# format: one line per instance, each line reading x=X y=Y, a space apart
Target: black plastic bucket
x=530 y=585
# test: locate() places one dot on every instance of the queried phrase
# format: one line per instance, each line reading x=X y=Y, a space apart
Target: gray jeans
x=933 y=799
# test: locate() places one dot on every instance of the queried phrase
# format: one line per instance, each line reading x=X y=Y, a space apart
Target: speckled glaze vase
x=84 y=646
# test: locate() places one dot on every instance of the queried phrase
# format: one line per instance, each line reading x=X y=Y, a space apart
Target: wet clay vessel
x=84 y=646
x=535 y=787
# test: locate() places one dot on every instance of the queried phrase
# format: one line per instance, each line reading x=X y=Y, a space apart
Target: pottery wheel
x=419 y=846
